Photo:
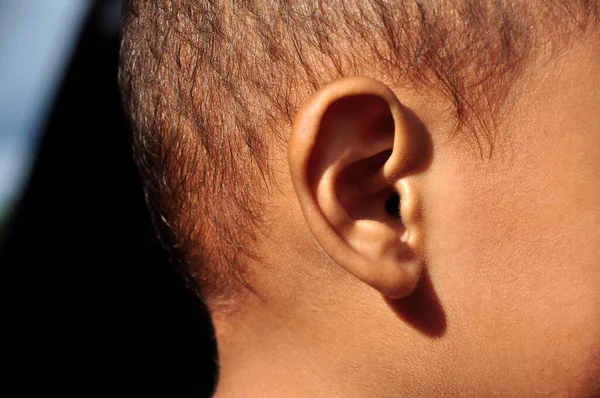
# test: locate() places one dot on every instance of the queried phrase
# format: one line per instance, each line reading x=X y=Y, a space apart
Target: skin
x=508 y=302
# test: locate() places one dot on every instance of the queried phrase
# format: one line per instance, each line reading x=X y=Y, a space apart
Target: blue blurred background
x=36 y=42
x=91 y=304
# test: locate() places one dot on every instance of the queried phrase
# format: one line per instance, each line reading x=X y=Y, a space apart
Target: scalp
x=210 y=86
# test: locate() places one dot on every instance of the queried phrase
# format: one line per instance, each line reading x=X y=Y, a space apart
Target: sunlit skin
x=508 y=302
x=379 y=198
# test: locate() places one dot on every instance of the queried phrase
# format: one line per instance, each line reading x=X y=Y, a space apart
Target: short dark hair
x=211 y=85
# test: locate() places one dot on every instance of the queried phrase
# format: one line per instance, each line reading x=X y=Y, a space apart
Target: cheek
x=514 y=253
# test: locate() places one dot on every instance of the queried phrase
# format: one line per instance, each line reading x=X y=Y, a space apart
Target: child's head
x=407 y=191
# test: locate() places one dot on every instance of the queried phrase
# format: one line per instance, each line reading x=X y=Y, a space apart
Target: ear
x=353 y=153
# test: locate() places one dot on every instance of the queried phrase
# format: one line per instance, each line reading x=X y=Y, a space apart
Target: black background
x=91 y=304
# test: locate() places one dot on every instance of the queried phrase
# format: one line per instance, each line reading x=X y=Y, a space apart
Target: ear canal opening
x=392 y=206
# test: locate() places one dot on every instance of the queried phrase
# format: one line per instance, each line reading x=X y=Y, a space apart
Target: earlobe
x=352 y=154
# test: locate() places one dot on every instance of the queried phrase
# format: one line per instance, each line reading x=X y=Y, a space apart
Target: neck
x=325 y=356
x=290 y=374
x=276 y=363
